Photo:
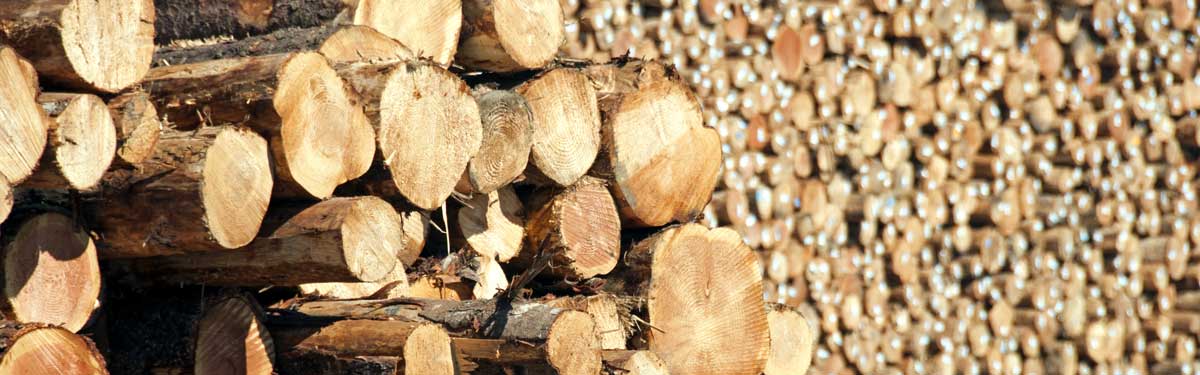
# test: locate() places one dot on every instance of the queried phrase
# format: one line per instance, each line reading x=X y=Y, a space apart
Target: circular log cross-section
x=566 y=134
x=35 y=348
x=507 y=136
x=429 y=28
x=95 y=45
x=24 y=127
x=81 y=144
x=231 y=339
x=136 y=120
x=510 y=35
x=429 y=130
x=236 y=187
x=580 y=228
x=571 y=346
x=426 y=348
x=793 y=341
x=51 y=273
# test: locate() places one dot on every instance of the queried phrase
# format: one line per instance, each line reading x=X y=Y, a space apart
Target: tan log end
x=494 y=224
x=394 y=285
x=32 y=349
x=571 y=347
x=231 y=339
x=137 y=125
x=428 y=350
x=362 y=43
x=413 y=226
x=51 y=273
x=793 y=341
x=636 y=362
x=237 y=186
x=581 y=228
x=6 y=199
x=610 y=316
x=566 y=134
x=507 y=138
x=429 y=28
x=439 y=287
x=81 y=143
x=25 y=127
x=510 y=35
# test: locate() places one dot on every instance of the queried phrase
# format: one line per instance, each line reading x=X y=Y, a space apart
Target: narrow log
x=634 y=362
x=60 y=38
x=579 y=229
x=80 y=146
x=137 y=126
x=25 y=129
x=654 y=138
x=218 y=176
x=394 y=285
x=494 y=224
x=297 y=100
x=199 y=19
x=51 y=273
x=507 y=138
x=337 y=240
x=566 y=134
x=793 y=341
x=509 y=35
x=33 y=348
x=232 y=339
x=429 y=28
x=339 y=43
x=422 y=348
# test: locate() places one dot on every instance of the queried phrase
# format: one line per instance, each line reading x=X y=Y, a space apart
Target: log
x=394 y=285
x=25 y=128
x=654 y=138
x=430 y=28
x=199 y=19
x=81 y=144
x=338 y=43
x=422 y=348
x=137 y=126
x=509 y=35
x=218 y=176
x=793 y=340
x=51 y=273
x=693 y=277
x=337 y=240
x=610 y=312
x=578 y=229
x=494 y=224
x=320 y=363
x=507 y=138
x=321 y=136
x=566 y=134
x=232 y=339
x=6 y=199
x=61 y=39
x=30 y=348
x=439 y=287
x=490 y=278
x=634 y=362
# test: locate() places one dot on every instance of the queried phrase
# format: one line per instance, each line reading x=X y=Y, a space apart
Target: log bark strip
x=566 y=135
x=423 y=348
x=218 y=176
x=51 y=273
x=510 y=35
x=62 y=40
x=81 y=144
x=198 y=19
x=137 y=125
x=494 y=224
x=579 y=229
x=507 y=138
x=339 y=43
x=429 y=28
x=33 y=348
x=25 y=127
x=231 y=339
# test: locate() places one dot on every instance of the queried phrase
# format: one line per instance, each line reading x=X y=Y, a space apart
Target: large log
x=421 y=348
x=51 y=273
x=429 y=28
x=138 y=127
x=198 y=19
x=34 y=348
x=25 y=127
x=337 y=240
x=81 y=143
x=507 y=138
x=200 y=191
x=339 y=43
x=321 y=137
x=510 y=35
x=63 y=40
x=579 y=229
x=494 y=224
x=566 y=134
x=654 y=138
x=232 y=339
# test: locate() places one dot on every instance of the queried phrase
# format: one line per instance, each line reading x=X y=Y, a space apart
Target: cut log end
x=25 y=126
x=111 y=60
x=231 y=339
x=326 y=139
x=581 y=228
x=571 y=346
x=32 y=349
x=394 y=285
x=793 y=342
x=507 y=136
x=362 y=43
x=637 y=362
x=51 y=273
x=428 y=350
x=494 y=224
x=369 y=230
x=237 y=186
x=510 y=35
x=429 y=28
x=566 y=135
x=81 y=145
x=6 y=199
x=138 y=127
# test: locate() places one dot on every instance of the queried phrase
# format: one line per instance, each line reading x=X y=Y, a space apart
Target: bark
x=429 y=28
x=60 y=38
x=25 y=129
x=510 y=35
x=51 y=273
x=218 y=176
x=507 y=139
x=137 y=126
x=339 y=43
x=31 y=348
x=81 y=143
x=566 y=136
x=579 y=229
x=197 y=19
x=231 y=338
x=421 y=348
x=441 y=287
x=494 y=224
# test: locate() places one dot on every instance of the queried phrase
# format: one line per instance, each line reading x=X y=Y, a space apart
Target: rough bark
x=61 y=39
x=231 y=338
x=200 y=191
x=197 y=19
x=339 y=43
x=25 y=128
x=579 y=229
x=33 y=348
x=137 y=126
x=566 y=135
x=510 y=35
x=494 y=224
x=421 y=348
x=51 y=273
x=80 y=146
x=429 y=28
x=507 y=139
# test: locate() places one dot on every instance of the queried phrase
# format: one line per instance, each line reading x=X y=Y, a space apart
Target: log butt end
x=571 y=346
x=429 y=28
x=372 y=239
x=237 y=186
x=84 y=141
x=231 y=339
x=566 y=135
x=361 y=43
x=36 y=348
x=428 y=350
x=51 y=273
x=111 y=60
x=507 y=138
x=25 y=127
x=6 y=199
x=638 y=362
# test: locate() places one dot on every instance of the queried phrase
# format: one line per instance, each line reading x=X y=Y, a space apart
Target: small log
x=61 y=39
x=6 y=199
x=509 y=35
x=199 y=19
x=490 y=278
x=507 y=138
x=34 y=348
x=422 y=348
x=578 y=229
x=633 y=362
x=494 y=224
x=610 y=312
x=51 y=273
x=232 y=339
x=311 y=362
x=25 y=128
x=337 y=240
x=137 y=125
x=218 y=176
x=80 y=146
x=793 y=341
x=429 y=28
x=566 y=134
x=394 y=285
x=339 y=43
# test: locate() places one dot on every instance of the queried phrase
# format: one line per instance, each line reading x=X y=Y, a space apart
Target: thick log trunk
x=510 y=35
x=197 y=19
x=61 y=39
x=34 y=348
x=322 y=138
x=793 y=341
x=231 y=339
x=138 y=127
x=337 y=240
x=429 y=28
x=579 y=229
x=80 y=146
x=635 y=362
x=655 y=137
x=421 y=348
x=25 y=127
x=51 y=273
x=494 y=224
x=218 y=176
x=566 y=135
x=507 y=138
x=339 y=43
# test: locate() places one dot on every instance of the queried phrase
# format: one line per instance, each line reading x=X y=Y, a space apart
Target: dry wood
x=232 y=339
x=51 y=273
x=633 y=362
x=217 y=176
x=137 y=126
x=578 y=229
x=6 y=199
x=610 y=312
x=429 y=28
x=25 y=129
x=793 y=341
x=423 y=348
x=566 y=134
x=507 y=138
x=337 y=240
x=321 y=138
x=339 y=43
x=80 y=146
x=509 y=35
x=33 y=348
x=199 y=19
x=394 y=285
x=62 y=40
x=490 y=279
x=494 y=224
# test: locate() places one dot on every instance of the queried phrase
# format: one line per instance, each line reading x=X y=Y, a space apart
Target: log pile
x=953 y=187
x=366 y=187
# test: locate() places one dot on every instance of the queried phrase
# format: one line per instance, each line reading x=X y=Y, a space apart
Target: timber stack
x=361 y=186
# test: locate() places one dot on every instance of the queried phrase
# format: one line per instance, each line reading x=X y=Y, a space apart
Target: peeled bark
x=231 y=339
x=636 y=362
x=322 y=138
x=510 y=35
x=507 y=139
x=422 y=348
x=339 y=43
x=33 y=348
x=197 y=19
x=337 y=240
x=494 y=224
x=429 y=28
x=81 y=143
x=566 y=134
x=579 y=229
x=25 y=128
x=51 y=273
x=137 y=126
x=201 y=191
x=793 y=341
x=655 y=138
